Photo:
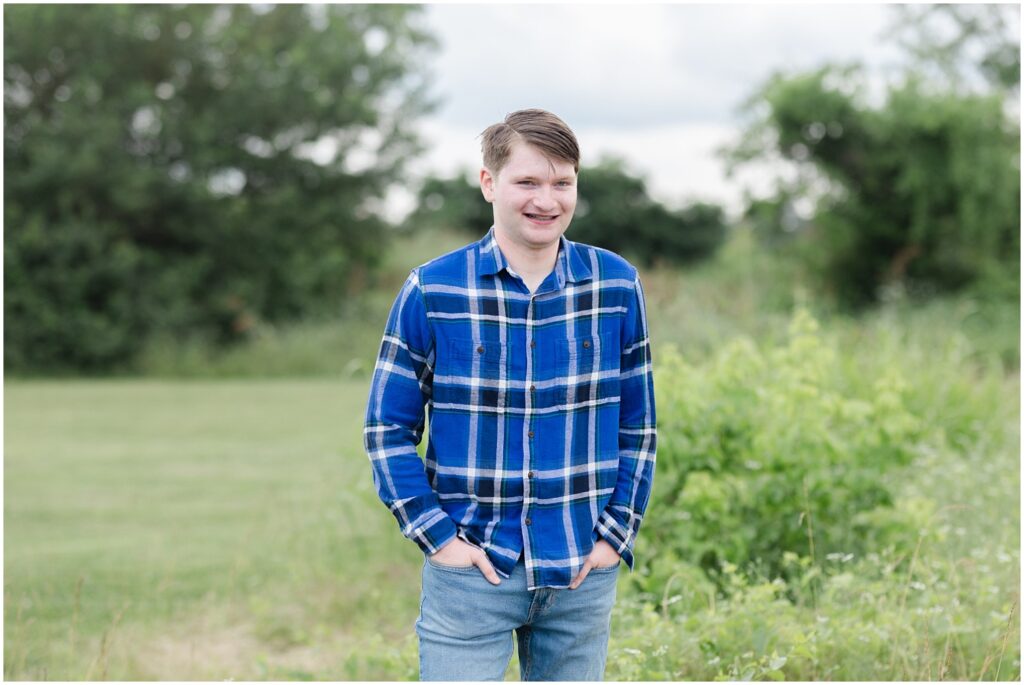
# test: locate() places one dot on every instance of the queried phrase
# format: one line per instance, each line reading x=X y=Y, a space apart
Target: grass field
x=227 y=528
x=195 y=530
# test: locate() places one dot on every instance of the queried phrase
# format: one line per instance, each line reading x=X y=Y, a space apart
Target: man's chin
x=542 y=236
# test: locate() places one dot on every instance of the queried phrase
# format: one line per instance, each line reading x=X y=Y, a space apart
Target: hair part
x=536 y=127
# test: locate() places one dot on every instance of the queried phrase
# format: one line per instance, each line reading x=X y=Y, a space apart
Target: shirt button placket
x=531 y=396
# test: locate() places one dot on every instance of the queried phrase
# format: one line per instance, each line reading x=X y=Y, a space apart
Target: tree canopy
x=173 y=169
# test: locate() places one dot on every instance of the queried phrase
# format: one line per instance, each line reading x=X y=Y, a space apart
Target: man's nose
x=543 y=198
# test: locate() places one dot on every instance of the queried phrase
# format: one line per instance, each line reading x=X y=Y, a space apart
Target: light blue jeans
x=465 y=625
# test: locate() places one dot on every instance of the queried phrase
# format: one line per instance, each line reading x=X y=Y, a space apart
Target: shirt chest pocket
x=588 y=353
x=482 y=358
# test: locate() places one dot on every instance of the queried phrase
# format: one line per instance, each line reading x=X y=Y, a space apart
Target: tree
x=194 y=169
x=620 y=215
x=921 y=192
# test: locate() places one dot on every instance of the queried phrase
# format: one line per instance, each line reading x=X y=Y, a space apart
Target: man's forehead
x=526 y=159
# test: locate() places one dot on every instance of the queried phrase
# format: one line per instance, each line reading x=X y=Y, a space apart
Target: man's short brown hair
x=537 y=127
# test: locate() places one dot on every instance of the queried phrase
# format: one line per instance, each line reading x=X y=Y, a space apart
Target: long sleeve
x=620 y=521
x=401 y=386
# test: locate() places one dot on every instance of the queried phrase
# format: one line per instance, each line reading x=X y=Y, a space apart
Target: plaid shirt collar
x=570 y=267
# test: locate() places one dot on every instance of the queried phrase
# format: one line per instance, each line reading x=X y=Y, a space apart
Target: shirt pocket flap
x=586 y=348
x=489 y=352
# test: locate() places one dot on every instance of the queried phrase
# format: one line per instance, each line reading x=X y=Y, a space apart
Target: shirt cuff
x=431 y=531
x=617 y=535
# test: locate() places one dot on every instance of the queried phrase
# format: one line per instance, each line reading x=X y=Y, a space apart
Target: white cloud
x=628 y=66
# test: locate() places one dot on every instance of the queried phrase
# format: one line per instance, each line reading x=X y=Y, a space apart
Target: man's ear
x=487 y=184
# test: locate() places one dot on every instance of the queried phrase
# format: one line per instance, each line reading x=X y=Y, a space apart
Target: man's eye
x=526 y=183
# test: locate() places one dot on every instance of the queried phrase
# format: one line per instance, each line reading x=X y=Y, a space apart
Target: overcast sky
x=657 y=84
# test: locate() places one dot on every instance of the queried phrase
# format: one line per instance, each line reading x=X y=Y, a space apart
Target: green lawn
x=185 y=530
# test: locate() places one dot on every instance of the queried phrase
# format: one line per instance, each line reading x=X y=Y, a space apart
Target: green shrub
x=762 y=453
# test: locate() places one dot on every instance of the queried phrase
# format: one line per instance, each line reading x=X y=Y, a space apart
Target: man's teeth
x=542 y=217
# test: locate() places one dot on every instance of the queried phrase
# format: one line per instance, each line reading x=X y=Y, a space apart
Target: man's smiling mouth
x=542 y=217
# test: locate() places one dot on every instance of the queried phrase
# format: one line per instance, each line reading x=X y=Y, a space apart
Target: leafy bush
x=764 y=453
x=930 y=589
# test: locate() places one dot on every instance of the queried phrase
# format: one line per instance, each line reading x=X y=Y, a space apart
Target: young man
x=532 y=353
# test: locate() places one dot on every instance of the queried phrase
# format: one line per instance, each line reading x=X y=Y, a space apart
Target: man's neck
x=532 y=264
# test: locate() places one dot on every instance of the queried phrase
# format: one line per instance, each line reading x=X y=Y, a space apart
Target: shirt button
x=530 y=474
x=530 y=434
x=533 y=343
x=480 y=349
x=528 y=522
x=533 y=388
x=586 y=343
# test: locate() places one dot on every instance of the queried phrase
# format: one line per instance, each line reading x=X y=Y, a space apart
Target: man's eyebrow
x=531 y=177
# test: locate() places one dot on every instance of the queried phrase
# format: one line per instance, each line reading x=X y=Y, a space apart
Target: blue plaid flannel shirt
x=541 y=407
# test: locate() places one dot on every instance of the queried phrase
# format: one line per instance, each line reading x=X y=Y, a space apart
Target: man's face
x=534 y=196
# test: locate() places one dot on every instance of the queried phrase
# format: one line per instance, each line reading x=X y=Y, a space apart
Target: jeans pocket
x=607 y=569
x=443 y=567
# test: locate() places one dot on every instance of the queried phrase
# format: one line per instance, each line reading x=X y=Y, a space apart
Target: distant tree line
x=193 y=169
x=614 y=211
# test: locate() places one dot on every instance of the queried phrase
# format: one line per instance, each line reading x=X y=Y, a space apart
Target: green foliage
x=921 y=193
x=613 y=211
x=193 y=169
x=619 y=215
x=764 y=453
x=891 y=607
